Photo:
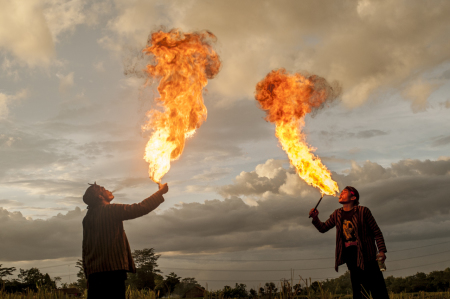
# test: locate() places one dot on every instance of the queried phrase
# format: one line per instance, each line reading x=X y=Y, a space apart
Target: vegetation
x=31 y=279
x=149 y=283
x=436 y=281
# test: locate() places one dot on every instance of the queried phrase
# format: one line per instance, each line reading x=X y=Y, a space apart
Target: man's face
x=107 y=195
x=346 y=197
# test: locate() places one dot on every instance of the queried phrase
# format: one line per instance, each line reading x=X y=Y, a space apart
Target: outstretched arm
x=126 y=212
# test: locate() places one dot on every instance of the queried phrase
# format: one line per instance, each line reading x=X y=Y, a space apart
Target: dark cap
x=353 y=191
x=91 y=196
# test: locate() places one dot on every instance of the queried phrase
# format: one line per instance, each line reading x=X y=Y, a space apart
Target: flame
x=183 y=62
x=287 y=99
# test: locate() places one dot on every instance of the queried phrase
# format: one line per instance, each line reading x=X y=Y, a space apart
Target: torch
x=317 y=204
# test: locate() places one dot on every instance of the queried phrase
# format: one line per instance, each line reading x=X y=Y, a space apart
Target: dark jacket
x=105 y=244
x=367 y=233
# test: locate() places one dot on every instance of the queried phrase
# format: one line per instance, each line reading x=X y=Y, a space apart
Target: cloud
x=418 y=92
x=445 y=104
x=30 y=29
x=5 y=101
x=276 y=221
x=441 y=141
x=212 y=174
x=363 y=134
x=10 y=203
x=27 y=239
x=370 y=133
x=63 y=16
x=408 y=200
x=267 y=178
x=47 y=186
x=24 y=32
x=65 y=82
x=24 y=151
x=363 y=46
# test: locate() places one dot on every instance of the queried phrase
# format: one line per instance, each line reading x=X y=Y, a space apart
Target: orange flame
x=287 y=99
x=184 y=62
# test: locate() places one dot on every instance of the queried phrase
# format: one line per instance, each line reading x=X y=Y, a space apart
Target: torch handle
x=315 y=208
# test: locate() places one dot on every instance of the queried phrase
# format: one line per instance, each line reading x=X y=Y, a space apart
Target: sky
x=71 y=114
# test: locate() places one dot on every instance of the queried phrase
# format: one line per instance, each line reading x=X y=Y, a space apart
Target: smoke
x=289 y=97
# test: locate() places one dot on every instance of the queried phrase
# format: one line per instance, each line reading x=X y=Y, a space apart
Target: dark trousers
x=109 y=284
x=369 y=280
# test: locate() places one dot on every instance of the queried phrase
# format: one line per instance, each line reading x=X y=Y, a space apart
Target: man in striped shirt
x=356 y=235
x=106 y=253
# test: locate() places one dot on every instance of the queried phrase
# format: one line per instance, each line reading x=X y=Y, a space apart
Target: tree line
x=149 y=277
x=30 y=279
x=435 y=281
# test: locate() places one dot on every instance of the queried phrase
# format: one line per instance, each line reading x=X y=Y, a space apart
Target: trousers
x=367 y=281
x=109 y=284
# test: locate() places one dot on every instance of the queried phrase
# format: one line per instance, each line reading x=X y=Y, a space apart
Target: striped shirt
x=368 y=233
x=105 y=244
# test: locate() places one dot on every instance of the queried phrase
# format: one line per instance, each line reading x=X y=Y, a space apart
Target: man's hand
x=381 y=256
x=313 y=213
x=163 y=188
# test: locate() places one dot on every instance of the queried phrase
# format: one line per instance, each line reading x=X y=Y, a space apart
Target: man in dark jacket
x=106 y=253
x=356 y=235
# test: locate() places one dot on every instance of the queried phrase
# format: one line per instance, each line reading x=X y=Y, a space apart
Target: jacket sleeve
x=323 y=227
x=127 y=212
x=375 y=230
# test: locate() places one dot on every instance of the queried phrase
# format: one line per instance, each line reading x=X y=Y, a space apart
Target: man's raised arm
x=127 y=212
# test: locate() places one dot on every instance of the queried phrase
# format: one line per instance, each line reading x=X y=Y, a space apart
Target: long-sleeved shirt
x=367 y=233
x=105 y=244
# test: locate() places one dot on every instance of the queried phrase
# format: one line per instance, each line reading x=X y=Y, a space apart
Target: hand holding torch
x=315 y=208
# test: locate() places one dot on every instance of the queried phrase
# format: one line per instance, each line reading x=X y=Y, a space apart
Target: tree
x=81 y=282
x=146 y=269
x=185 y=285
x=239 y=291
x=6 y=272
x=227 y=292
x=33 y=277
x=286 y=289
x=270 y=289
x=253 y=293
x=297 y=289
x=340 y=285
x=171 y=281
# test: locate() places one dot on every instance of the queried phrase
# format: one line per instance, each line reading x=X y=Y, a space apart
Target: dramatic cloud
x=24 y=32
x=369 y=46
x=409 y=194
x=27 y=239
x=30 y=29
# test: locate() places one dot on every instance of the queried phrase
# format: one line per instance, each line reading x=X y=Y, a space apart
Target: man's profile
x=106 y=252
x=357 y=233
